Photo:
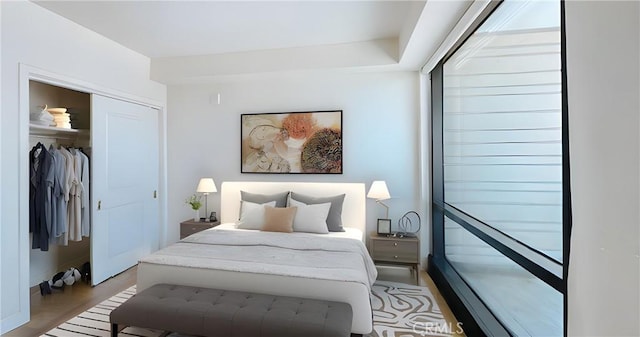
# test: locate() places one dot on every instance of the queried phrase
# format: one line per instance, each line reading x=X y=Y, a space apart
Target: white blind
x=502 y=134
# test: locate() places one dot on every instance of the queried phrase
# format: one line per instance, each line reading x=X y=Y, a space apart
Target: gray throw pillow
x=279 y=198
x=334 y=219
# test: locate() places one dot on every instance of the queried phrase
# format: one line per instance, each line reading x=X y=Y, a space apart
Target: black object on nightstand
x=189 y=227
x=396 y=251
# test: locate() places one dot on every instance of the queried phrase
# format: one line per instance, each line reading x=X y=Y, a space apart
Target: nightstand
x=189 y=227
x=396 y=251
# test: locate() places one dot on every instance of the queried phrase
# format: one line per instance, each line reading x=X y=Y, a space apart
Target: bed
x=334 y=266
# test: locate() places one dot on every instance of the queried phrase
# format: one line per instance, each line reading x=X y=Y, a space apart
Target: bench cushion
x=212 y=312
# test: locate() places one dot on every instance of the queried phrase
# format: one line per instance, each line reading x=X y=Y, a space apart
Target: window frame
x=477 y=318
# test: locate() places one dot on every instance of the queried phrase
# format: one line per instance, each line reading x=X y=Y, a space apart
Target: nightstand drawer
x=395 y=251
x=190 y=227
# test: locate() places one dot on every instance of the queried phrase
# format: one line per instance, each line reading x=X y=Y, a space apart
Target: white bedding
x=307 y=256
x=318 y=266
x=334 y=266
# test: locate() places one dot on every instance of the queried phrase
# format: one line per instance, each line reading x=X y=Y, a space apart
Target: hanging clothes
x=59 y=225
x=40 y=163
x=49 y=181
x=59 y=206
x=84 y=182
x=75 y=199
x=66 y=192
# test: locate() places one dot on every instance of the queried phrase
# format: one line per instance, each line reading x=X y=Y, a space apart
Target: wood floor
x=49 y=311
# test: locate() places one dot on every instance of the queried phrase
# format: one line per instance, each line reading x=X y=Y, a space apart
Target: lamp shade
x=206 y=185
x=378 y=191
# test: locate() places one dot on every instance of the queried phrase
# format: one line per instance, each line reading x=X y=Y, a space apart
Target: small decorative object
x=212 y=217
x=195 y=203
x=384 y=226
x=206 y=186
x=292 y=142
x=409 y=224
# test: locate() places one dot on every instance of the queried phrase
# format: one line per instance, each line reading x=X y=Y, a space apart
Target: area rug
x=399 y=310
x=403 y=310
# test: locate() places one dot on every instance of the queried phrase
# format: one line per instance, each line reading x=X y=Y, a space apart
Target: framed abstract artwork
x=292 y=142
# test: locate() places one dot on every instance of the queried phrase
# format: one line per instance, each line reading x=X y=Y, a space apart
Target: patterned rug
x=402 y=310
x=399 y=310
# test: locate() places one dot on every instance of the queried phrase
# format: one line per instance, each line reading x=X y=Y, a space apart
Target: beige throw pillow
x=279 y=219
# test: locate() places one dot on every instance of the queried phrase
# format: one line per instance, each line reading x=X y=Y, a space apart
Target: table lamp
x=205 y=187
x=379 y=192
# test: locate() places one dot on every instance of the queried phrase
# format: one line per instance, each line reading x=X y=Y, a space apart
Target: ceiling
x=180 y=30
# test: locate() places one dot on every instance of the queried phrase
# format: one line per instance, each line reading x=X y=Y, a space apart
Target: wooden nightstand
x=189 y=227
x=396 y=251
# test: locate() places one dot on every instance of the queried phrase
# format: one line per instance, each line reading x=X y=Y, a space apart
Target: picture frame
x=305 y=142
x=384 y=226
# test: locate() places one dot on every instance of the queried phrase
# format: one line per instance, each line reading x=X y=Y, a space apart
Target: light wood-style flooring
x=49 y=311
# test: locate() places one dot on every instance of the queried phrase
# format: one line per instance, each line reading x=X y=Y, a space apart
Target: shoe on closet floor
x=45 y=289
x=71 y=276
x=85 y=272
x=57 y=282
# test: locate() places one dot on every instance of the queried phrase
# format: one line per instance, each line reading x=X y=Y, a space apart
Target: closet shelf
x=42 y=130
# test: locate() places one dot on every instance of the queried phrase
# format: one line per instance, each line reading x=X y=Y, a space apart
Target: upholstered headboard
x=353 y=210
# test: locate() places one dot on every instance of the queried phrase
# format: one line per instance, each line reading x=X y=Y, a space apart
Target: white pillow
x=252 y=215
x=310 y=218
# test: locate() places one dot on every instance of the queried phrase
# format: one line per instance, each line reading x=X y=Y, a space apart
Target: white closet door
x=124 y=139
x=152 y=155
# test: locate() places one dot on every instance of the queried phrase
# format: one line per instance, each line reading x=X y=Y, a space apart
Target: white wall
x=34 y=36
x=381 y=112
x=604 y=126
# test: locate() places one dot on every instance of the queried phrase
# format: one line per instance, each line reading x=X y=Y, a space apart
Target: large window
x=500 y=211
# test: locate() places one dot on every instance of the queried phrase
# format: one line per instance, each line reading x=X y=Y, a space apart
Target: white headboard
x=353 y=210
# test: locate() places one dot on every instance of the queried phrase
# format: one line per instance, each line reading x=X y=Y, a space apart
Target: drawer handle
x=395 y=256
x=395 y=243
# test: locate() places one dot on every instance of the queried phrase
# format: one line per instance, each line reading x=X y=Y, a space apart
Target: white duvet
x=298 y=255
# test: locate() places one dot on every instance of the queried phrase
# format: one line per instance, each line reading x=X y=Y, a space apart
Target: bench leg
x=114 y=330
x=356 y=335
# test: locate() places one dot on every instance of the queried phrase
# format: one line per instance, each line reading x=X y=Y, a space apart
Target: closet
x=121 y=139
x=59 y=256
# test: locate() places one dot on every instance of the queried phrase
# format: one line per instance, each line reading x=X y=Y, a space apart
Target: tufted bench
x=223 y=313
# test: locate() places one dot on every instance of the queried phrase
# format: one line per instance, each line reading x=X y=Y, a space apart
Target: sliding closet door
x=124 y=183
